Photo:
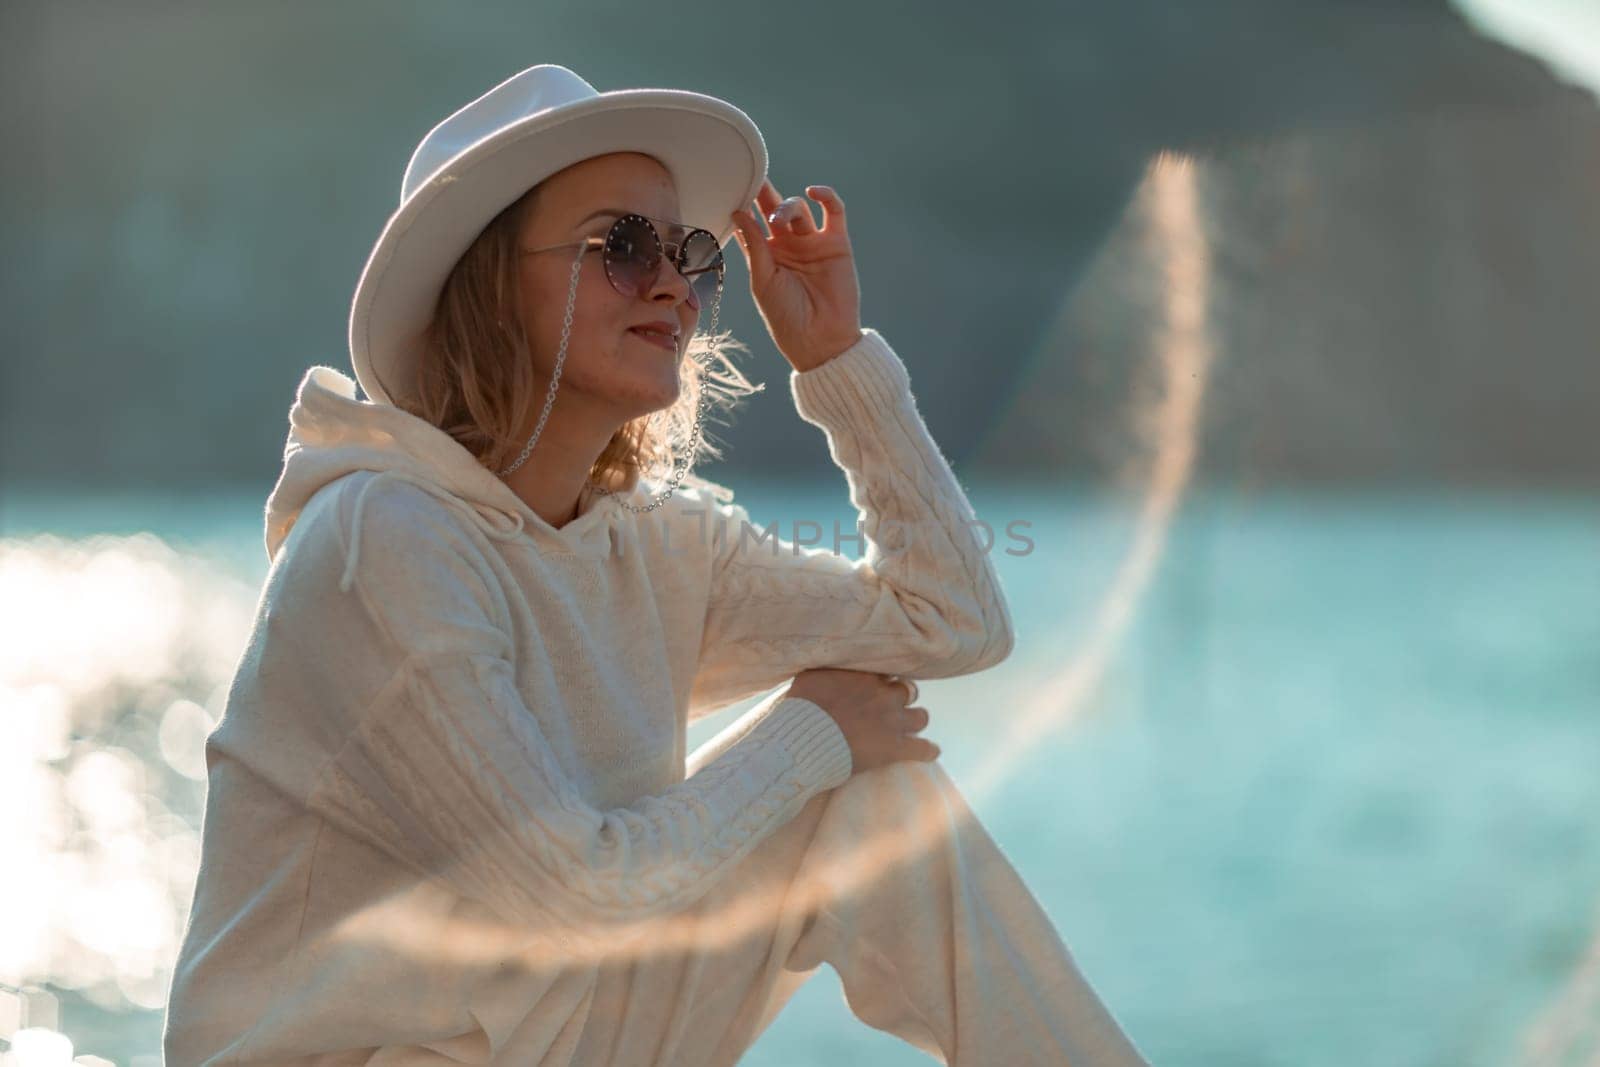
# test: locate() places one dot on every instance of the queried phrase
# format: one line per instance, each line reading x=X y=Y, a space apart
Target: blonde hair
x=475 y=380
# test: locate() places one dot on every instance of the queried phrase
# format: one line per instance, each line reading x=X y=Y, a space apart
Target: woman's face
x=621 y=374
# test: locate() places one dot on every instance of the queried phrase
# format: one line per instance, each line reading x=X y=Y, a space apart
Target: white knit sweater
x=456 y=727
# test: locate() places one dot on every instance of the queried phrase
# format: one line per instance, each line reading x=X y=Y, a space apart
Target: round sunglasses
x=633 y=250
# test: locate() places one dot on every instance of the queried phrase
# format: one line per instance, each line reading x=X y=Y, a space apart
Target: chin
x=665 y=401
x=649 y=386
x=646 y=396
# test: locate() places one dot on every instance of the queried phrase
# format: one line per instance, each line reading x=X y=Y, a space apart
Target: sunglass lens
x=702 y=262
x=633 y=254
x=700 y=250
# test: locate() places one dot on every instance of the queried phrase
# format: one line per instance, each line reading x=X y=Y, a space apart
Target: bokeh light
x=118 y=651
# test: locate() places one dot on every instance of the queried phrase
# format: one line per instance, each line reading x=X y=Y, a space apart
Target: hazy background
x=1276 y=320
x=1403 y=216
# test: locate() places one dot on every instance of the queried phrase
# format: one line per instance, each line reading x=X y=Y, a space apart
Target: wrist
x=815 y=356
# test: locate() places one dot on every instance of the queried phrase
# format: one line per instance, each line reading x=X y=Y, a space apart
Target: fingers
x=914 y=719
x=753 y=236
x=832 y=207
x=753 y=243
x=907 y=684
x=793 y=214
x=767 y=198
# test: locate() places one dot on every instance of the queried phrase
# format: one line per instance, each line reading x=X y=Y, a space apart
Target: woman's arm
x=448 y=772
x=393 y=711
x=924 y=601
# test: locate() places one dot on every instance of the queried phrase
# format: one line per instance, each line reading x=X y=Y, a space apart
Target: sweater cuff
x=813 y=740
x=860 y=384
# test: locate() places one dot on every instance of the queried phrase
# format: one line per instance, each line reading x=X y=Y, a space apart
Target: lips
x=658 y=338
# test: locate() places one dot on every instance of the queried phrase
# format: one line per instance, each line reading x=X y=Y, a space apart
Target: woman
x=450 y=816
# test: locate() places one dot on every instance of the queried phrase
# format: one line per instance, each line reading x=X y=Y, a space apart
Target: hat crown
x=523 y=95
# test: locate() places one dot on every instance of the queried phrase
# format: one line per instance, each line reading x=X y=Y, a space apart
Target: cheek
x=599 y=324
x=599 y=315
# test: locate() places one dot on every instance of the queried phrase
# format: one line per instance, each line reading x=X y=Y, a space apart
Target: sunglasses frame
x=661 y=250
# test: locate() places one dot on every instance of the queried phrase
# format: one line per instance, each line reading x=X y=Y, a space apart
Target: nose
x=670 y=285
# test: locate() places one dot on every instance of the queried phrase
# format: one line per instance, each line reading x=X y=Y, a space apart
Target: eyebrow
x=617 y=212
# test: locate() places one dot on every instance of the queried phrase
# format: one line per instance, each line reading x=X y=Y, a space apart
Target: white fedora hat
x=475 y=163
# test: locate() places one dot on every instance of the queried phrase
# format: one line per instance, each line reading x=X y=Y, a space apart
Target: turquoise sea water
x=1333 y=796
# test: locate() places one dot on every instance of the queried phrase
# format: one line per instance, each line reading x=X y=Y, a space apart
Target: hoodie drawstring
x=484 y=515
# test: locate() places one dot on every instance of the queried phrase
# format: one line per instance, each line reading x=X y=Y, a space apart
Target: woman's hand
x=872 y=713
x=803 y=278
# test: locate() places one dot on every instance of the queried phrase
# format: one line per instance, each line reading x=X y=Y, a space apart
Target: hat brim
x=713 y=150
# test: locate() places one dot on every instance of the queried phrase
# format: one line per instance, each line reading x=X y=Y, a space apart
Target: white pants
x=944 y=947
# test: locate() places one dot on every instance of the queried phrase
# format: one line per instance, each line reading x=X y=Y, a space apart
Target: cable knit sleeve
x=444 y=766
x=923 y=601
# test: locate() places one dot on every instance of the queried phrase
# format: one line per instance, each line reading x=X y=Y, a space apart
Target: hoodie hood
x=331 y=434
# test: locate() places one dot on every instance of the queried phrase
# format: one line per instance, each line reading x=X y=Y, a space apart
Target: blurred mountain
x=1408 y=302
x=1401 y=218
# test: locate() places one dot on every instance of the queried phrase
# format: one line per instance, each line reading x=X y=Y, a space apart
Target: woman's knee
x=897 y=787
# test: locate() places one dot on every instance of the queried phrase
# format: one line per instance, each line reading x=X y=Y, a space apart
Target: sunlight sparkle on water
x=117 y=655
